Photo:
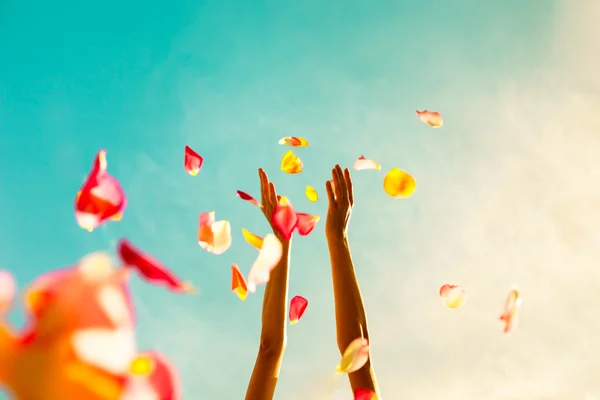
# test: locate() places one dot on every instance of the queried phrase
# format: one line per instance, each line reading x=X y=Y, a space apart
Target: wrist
x=337 y=237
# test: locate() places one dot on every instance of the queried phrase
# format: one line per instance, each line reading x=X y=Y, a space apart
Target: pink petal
x=297 y=307
x=306 y=223
x=284 y=218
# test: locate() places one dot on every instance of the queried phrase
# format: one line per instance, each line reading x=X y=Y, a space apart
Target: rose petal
x=293 y=141
x=363 y=163
x=298 y=305
x=238 y=283
x=192 y=161
x=364 y=394
x=311 y=194
x=453 y=296
x=306 y=223
x=284 y=218
x=399 y=184
x=245 y=196
x=268 y=258
x=510 y=316
x=355 y=356
x=433 y=119
x=252 y=239
x=291 y=164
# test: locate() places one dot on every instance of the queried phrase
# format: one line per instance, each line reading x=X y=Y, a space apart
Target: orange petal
x=192 y=161
x=238 y=283
x=252 y=239
x=399 y=184
x=311 y=194
x=247 y=197
x=267 y=259
x=150 y=269
x=298 y=305
x=293 y=141
x=453 y=296
x=510 y=315
x=433 y=119
x=213 y=236
x=291 y=164
x=284 y=218
x=8 y=290
x=362 y=163
x=364 y=394
x=306 y=223
x=355 y=356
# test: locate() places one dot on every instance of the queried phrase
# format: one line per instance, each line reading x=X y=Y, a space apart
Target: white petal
x=114 y=304
x=108 y=349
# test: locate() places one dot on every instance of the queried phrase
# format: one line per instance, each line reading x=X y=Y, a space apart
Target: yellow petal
x=399 y=184
x=355 y=356
x=117 y=217
x=141 y=366
x=252 y=239
x=311 y=194
x=291 y=164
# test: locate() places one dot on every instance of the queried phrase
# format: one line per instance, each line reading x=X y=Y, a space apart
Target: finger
x=330 y=195
x=262 y=176
x=278 y=198
x=343 y=188
x=348 y=180
x=272 y=193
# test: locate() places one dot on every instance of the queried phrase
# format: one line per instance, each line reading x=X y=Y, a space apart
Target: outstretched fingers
x=330 y=194
x=263 y=185
x=340 y=185
x=350 y=190
x=272 y=194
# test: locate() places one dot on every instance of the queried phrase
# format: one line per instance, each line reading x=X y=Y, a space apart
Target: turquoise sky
x=229 y=78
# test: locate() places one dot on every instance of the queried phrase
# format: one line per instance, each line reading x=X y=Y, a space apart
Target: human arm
x=350 y=315
x=273 y=334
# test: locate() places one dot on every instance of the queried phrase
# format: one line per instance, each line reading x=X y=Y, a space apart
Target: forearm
x=350 y=315
x=349 y=308
x=274 y=311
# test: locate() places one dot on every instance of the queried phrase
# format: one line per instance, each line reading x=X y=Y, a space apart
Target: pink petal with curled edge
x=306 y=223
x=363 y=163
x=284 y=218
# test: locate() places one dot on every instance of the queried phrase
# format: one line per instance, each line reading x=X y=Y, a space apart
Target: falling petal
x=213 y=236
x=291 y=164
x=8 y=290
x=364 y=394
x=399 y=184
x=101 y=197
x=510 y=316
x=453 y=296
x=306 y=223
x=298 y=305
x=433 y=119
x=267 y=259
x=150 y=269
x=284 y=218
x=362 y=163
x=192 y=161
x=252 y=239
x=293 y=141
x=355 y=356
x=238 y=283
x=311 y=194
x=247 y=197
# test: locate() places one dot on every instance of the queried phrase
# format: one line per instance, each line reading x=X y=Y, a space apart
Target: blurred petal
x=213 y=236
x=284 y=218
x=238 y=283
x=222 y=237
x=510 y=316
x=293 y=141
x=252 y=239
x=267 y=259
x=297 y=307
x=291 y=164
x=355 y=356
x=206 y=218
x=311 y=194
x=108 y=349
x=8 y=291
x=453 y=296
x=247 y=197
x=150 y=269
x=433 y=119
x=364 y=394
x=399 y=184
x=192 y=161
x=306 y=223
x=362 y=163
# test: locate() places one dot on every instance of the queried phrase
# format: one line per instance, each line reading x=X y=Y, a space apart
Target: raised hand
x=341 y=200
x=268 y=199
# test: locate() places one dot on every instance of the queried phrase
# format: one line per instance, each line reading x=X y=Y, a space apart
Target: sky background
x=507 y=191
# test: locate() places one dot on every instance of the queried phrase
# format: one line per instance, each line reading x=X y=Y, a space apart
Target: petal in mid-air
x=510 y=315
x=192 y=161
x=298 y=305
x=238 y=282
x=355 y=356
x=399 y=184
x=291 y=164
x=268 y=258
x=293 y=141
x=213 y=236
x=453 y=296
x=311 y=194
x=433 y=119
x=362 y=163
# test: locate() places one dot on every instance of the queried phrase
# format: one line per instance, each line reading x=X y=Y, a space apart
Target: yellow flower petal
x=311 y=194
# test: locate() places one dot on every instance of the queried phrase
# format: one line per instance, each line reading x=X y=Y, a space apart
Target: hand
x=341 y=200
x=268 y=200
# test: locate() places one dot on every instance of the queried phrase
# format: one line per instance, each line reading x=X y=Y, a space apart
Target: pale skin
x=350 y=315
x=273 y=334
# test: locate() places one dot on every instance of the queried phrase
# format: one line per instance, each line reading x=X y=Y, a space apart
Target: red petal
x=363 y=394
x=297 y=307
x=192 y=161
x=101 y=196
x=247 y=197
x=306 y=223
x=150 y=269
x=163 y=378
x=284 y=218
